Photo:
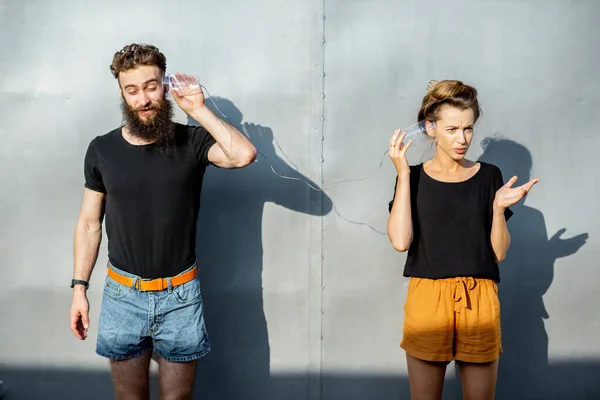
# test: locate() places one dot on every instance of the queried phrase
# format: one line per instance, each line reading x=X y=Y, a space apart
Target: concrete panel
x=534 y=68
x=259 y=241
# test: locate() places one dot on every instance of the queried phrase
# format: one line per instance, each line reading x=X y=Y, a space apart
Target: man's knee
x=183 y=391
x=176 y=379
x=179 y=395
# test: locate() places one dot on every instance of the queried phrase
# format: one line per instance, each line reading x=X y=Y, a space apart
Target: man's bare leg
x=131 y=378
x=176 y=379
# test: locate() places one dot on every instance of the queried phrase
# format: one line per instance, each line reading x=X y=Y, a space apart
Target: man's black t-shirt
x=152 y=199
x=452 y=223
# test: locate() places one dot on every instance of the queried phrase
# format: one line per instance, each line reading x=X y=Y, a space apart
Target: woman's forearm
x=500 y=236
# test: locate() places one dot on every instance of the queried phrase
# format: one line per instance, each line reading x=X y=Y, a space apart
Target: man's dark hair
x=134 y=55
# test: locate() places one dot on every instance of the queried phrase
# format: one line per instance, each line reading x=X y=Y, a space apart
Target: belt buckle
x=155 y=285
x=138 y=286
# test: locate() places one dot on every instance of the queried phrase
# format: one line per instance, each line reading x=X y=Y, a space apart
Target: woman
x=450 y=213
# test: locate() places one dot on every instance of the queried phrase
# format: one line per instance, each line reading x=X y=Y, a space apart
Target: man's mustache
x=147 y=108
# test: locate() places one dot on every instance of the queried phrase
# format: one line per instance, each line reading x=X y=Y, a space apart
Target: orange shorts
x=452 y=319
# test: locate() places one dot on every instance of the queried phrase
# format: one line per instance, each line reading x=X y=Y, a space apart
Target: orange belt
x=154 y=284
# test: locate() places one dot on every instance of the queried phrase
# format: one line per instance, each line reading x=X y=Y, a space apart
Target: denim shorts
x=169 y=322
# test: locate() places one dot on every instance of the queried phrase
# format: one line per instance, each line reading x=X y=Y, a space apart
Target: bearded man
x=145 y=179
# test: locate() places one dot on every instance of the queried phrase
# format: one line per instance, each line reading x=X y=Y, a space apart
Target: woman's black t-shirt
x=452 y=223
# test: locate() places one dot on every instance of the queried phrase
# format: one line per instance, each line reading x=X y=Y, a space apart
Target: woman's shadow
x=526 y=275
x=230 y=252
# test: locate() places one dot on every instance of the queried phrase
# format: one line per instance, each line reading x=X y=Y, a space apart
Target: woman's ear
x=430 y=127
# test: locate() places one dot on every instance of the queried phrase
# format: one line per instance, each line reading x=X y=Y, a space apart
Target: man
x=146 y=177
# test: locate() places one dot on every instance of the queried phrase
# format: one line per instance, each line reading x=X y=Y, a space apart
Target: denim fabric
x=169 y=322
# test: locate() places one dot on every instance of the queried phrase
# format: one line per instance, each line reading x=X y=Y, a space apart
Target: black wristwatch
x=79 y=282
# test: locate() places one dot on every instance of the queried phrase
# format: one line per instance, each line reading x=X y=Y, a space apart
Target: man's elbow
x=94 y=228
x=246 y=158
x=89 y=227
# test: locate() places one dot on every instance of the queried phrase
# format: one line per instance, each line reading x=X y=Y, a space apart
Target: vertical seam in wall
x=322 y=198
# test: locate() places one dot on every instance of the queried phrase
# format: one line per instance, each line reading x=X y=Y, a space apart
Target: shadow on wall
x=573 y=381
x=230 y=252
x=526 y=275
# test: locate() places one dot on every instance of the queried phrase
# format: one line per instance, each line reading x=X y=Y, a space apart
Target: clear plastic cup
x=418 y=133
x=172 y=82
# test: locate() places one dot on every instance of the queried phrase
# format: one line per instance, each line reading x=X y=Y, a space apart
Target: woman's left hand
x=506 y=196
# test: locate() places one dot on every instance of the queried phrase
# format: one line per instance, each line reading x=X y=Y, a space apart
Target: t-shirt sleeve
x=91 y=169
x=498 y=182
x=202 y=141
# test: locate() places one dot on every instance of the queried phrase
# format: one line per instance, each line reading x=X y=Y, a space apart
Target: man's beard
x=158 y=129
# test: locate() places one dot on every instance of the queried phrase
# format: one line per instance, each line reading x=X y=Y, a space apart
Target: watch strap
x=79 y=282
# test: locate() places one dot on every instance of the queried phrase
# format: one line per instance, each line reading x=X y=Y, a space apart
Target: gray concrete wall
x=303 y=291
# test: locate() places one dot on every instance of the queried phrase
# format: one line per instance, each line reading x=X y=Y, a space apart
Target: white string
x=305 y=182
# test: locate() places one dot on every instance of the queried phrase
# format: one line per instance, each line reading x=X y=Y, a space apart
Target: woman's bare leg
x=426 y=378
x=478 y=380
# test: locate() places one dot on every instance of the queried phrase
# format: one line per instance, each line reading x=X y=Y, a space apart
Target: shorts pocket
x=188 y=292
x=412 y=292
x=494 y=300
x=115 y=290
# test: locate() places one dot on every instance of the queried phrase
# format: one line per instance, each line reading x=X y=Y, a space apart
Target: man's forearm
x=500 y=236
x=85 y=250
x=233 y=143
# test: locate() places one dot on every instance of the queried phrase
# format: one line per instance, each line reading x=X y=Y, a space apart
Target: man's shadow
x=230 y=253
x=526 y=275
